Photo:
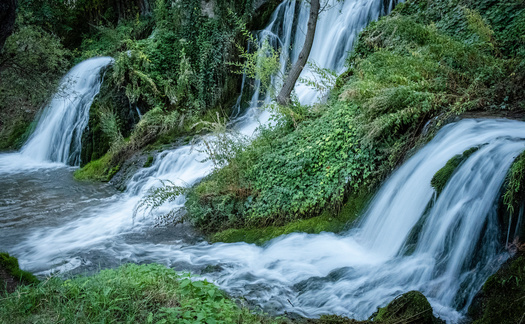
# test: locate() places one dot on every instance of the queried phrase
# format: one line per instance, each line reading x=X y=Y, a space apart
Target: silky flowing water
x=445 y=247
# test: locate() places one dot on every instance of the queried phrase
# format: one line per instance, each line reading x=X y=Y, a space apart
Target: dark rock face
x=7 y=19
x=502 y=298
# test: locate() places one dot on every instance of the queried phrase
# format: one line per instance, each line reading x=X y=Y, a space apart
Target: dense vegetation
x=314 y=171
x=170 y=66
x=425 y=61
x=129 y=294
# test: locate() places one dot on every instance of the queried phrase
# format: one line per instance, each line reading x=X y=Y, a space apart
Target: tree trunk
x=7 y=19
x=284 y=95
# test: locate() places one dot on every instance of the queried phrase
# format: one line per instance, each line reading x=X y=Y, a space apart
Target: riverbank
x=156 y=294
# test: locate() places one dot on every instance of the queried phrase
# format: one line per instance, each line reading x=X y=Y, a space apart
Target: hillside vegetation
x=427 y=61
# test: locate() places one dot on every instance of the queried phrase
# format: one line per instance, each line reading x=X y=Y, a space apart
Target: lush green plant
x=130 y=294
x=328 y=221
x=27 y=81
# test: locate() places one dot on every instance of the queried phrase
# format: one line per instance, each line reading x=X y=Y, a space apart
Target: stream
x=57 y=225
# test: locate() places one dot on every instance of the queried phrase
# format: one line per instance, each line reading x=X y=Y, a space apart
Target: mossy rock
x=502 y=299
x=444 y=174
x=411 y=307
x=11 y=275
x=327 y=221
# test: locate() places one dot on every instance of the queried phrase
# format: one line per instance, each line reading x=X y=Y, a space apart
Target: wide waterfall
x=59 y=130
x=453 y=251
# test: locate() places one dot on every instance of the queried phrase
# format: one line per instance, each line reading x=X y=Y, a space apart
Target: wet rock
x=411 y=307
x=502 y=298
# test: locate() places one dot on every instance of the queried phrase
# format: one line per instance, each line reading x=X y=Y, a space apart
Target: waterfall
x=409 y=239
x=457 y=248
x=59 y=130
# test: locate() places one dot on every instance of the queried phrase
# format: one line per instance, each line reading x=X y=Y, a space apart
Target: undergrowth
x=425 y=60
x=130 y=294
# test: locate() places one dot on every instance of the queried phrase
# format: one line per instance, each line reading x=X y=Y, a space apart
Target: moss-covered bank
x=11 y=276
x=328 y=221
x=440 y=179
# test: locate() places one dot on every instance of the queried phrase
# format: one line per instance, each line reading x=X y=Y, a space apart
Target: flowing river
x=55 y=224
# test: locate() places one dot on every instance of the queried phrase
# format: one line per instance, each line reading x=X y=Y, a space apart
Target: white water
x=350 y=274
x=57 y=135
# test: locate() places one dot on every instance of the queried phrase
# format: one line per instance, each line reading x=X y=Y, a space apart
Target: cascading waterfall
x=456 y=248
x=59 y=130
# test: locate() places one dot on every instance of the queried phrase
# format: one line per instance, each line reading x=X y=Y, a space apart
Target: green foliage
x=427 y=59
x=261 y=63
x=27 y=81
x=440 y=179
x=284 y=174
x=10 y=264
x=515 y=185
x=328 y=221
x=323 y=80
x=130 y=294
x=221 y=143
x=158 y=196
x=176 y=74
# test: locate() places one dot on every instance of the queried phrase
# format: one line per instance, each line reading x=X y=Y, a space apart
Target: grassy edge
x=328 y=221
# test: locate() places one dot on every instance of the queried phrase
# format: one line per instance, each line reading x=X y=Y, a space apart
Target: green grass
x=328 y=221
x=130 y=294
x=97 y=170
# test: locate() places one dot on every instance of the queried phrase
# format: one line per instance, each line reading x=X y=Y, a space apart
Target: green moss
x=444 y=174
x=326 y=222
x=14 y=135
x=515 y=184
x=502 y=298
x=97 y=170
x=130 y=294
x=10 y=264
x=149 y=162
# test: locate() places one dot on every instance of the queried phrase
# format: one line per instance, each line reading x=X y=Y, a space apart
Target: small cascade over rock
x=59 y=130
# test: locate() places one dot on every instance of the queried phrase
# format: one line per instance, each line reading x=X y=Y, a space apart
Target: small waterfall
x=59 y=131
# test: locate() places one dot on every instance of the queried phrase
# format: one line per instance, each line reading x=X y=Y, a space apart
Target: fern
x=156 y=197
